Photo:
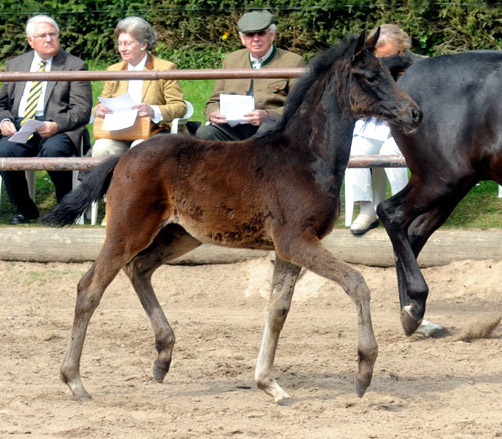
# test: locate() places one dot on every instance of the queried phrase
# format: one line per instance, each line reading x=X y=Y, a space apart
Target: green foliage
x=198 y=34
x=197 y=92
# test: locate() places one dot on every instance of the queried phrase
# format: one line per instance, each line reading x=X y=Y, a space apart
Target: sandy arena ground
x=422 y=388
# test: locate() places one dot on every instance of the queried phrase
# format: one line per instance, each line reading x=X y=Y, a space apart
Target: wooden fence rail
x=102 y=75
x=86 y=163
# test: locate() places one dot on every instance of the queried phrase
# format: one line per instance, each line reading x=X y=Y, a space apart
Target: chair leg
x=94 y=213
x=80 y=221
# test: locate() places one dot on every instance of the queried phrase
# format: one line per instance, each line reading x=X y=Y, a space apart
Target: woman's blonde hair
x=392 y=32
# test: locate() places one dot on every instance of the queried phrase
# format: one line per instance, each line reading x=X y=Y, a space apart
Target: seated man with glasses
x=257 y=33
x=62 y=107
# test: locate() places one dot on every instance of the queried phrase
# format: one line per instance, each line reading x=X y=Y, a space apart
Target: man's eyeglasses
x=252 y=34
x=44 y=36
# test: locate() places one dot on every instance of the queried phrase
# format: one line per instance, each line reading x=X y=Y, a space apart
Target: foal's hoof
x=83 y=399
x=360 y=388
x=408 y=323
x=159 y=372
x=284 y=401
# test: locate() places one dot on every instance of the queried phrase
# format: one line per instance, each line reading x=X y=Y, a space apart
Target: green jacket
x=269 y=93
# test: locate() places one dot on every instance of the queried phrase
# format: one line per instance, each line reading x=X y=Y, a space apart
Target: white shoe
x=363 y=223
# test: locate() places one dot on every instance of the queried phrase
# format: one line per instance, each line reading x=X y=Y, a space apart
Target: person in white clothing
x=372 y=136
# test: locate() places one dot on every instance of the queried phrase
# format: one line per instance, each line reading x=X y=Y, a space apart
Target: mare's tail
x=75 y=203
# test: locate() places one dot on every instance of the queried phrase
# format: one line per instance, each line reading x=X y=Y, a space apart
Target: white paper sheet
x=27 y=129
x=234 y=107
x=120 y=103
x=123 y=116
x=119 y=120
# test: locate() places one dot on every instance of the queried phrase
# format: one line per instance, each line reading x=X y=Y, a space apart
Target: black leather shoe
x=19 y=218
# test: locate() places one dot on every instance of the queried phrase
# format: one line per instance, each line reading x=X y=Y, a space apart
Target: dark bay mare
x=458 y=144
x=279 y=191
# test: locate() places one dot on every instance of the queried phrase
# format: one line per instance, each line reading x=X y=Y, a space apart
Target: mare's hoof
x=408 y=323
x=159 y=372
x=429 y=329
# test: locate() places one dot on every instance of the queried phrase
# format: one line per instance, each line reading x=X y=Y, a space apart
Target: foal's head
x=373 y=91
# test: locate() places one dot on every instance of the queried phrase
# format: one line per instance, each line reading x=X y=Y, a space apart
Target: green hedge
x=191 y=31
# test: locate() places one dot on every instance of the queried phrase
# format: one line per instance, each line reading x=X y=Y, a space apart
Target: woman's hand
x=101 y=110
x=144 y=110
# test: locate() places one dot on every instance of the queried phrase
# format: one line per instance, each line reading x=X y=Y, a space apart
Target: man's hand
x=8 y=128
x=217 y=118
x=256 y=117
x=48 y=129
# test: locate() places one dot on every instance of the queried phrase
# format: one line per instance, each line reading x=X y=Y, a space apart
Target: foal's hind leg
x=171 y=243
x=311 y=254
x=89 y=292
x=283 y=284
x=120 y=246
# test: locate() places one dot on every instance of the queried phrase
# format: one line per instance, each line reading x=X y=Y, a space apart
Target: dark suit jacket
x=68 y=103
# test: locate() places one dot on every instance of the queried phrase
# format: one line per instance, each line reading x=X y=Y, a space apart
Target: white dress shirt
x=135 y=89
x=35 y=64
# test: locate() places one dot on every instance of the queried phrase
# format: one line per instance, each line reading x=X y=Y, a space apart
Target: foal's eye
x=371 y=78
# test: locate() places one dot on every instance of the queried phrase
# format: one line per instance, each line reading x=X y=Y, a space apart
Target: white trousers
x=364 y=184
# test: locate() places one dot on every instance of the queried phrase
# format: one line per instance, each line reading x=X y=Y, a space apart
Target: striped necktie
x=34 y=95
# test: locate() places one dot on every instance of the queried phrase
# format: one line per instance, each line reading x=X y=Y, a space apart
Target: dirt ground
x=422 y=388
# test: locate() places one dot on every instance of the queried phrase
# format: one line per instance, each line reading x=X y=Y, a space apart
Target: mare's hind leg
x=310 y=253
x=410 y=217
x=283 y=284
x=172 y=242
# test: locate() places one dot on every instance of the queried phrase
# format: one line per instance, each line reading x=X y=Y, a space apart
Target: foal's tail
x=92 y=188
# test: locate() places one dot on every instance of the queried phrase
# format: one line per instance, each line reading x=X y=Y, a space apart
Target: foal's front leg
x=283 y=285
x=311 y=254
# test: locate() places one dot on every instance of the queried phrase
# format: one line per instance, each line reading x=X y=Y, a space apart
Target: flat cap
x=255 y=21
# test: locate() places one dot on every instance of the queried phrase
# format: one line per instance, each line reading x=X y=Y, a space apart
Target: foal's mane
x=319 y=65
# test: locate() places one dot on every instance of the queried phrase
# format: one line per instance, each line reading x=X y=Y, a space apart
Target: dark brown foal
x=277 y=191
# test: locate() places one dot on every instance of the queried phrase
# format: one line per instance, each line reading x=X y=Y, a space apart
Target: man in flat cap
x=257 y=33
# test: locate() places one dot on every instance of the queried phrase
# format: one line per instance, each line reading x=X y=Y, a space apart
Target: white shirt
x=135 y=89
x=35 y=64
x=256 y=63
x=372 y=128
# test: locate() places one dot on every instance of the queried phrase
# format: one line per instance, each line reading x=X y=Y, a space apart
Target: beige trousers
x=103 y=148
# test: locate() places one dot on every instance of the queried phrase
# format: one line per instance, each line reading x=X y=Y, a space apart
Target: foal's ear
x=371 y=43
x=360 y=44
